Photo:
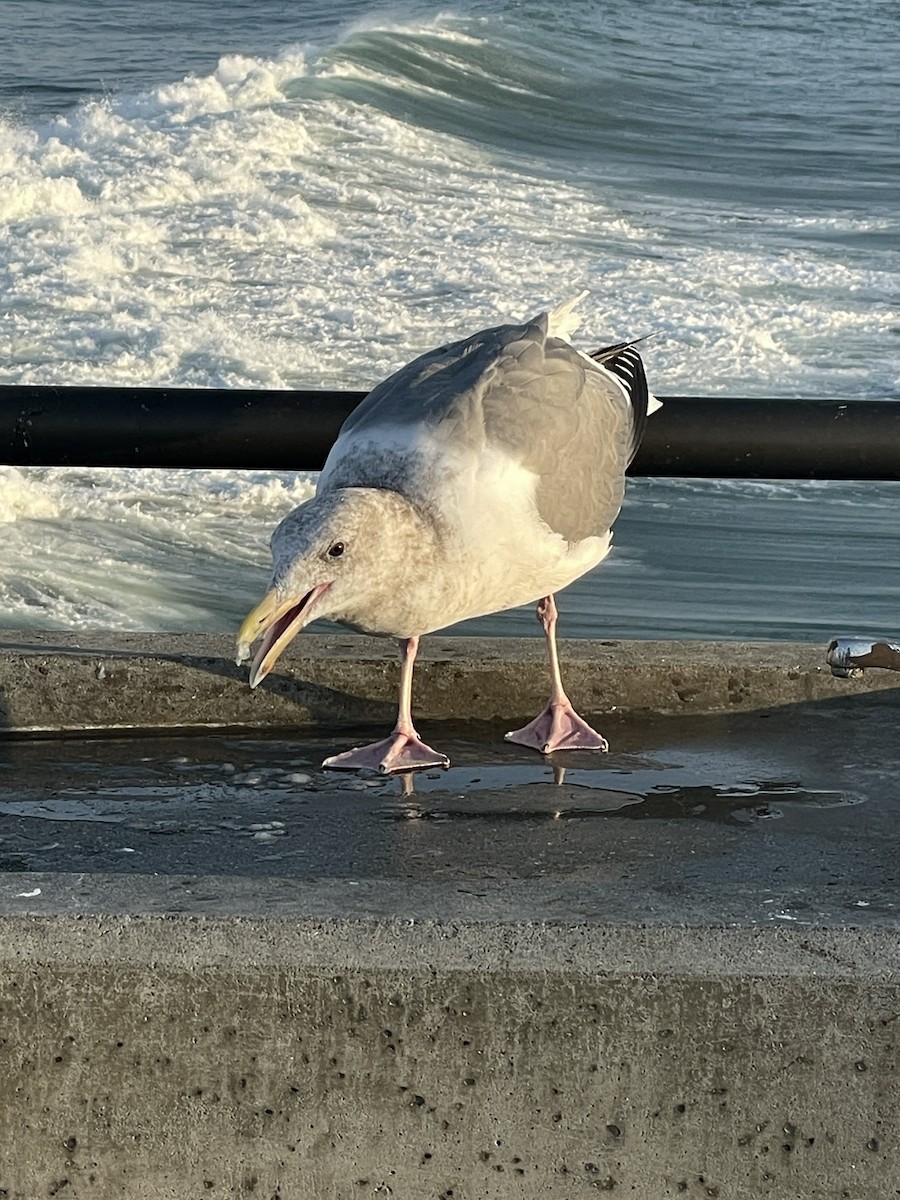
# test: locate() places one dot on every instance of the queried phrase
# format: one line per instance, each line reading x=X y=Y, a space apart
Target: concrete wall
x=188 y=1058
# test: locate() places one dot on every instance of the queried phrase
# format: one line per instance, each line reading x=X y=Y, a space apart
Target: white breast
x=500 y=551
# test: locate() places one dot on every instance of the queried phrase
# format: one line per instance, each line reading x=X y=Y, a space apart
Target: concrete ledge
x=157 y=1059
x=61 y=936
x=155 y=681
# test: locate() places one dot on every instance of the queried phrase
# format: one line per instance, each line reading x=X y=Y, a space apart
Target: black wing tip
x=623 y=361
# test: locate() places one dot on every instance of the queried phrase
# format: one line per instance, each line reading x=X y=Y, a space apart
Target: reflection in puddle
x=657 y=792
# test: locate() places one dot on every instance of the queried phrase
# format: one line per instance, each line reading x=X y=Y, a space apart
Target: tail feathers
x=624 y=362
x=607 y=352
x=562 y=321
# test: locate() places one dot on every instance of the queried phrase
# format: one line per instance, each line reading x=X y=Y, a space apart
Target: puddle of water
x=61 y=808
x=226 y=785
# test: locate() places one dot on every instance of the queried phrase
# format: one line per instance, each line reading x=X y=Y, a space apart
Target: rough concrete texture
x=673 y=972
x=59 y=681
x=187 y=1058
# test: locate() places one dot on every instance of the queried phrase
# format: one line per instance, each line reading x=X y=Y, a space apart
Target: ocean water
x=265 y=195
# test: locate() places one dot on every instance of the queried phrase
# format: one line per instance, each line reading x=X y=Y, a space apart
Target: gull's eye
x=336 y=550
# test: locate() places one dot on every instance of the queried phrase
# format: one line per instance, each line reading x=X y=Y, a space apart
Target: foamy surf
x=136 y=549
x=262 y=226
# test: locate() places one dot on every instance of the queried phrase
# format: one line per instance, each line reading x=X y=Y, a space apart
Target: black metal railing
x=691 y=436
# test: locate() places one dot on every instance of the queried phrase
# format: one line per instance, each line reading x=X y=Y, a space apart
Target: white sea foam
x=137 y=549
x=241 y=229
x=23 y=496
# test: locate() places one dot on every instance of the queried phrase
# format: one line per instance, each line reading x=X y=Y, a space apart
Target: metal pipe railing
x=697 y=436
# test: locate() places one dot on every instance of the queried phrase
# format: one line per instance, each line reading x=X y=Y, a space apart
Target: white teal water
x=260 y=195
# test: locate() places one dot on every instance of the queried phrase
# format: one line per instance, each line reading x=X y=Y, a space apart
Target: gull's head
x=335 y=556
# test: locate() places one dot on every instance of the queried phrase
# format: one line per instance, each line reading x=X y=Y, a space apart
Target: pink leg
x=559 y=726
x=403 y=750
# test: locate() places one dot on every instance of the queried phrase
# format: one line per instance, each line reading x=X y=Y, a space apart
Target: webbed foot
x=402 y=751
x=558 y=727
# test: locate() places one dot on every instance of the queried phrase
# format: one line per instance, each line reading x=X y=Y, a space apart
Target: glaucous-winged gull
x=484 y=475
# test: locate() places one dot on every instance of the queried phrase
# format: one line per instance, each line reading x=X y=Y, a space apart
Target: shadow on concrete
x=324 y=705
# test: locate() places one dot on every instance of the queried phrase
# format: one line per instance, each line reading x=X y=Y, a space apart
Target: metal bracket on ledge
x=848 y=657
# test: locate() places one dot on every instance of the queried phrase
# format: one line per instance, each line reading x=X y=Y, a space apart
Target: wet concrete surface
x=786 y=816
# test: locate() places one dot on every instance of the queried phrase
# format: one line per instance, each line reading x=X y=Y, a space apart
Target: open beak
x=277 y=621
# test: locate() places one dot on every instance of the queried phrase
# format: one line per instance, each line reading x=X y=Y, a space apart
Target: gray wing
x=570 y=421
x=441 y=388
x=575 y=426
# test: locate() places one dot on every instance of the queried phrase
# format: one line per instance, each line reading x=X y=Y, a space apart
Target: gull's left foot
x=399 y=752
x=558 y=727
